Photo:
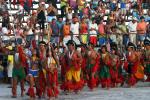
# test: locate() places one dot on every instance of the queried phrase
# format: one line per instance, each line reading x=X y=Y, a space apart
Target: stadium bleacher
x=36 y=3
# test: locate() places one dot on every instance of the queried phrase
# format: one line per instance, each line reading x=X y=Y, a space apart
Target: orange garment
x=83 y=28
x=66 y=30
x=141 y=27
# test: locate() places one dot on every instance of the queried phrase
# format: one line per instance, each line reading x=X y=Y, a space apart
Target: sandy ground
x=140 y=92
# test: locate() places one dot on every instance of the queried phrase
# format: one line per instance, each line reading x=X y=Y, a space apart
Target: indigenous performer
x=147 y=58
x=84 y=61
x=33 y=74
x=132 y=59
x=73 y=62
x=51 y=73
x=42 y=77
x=114 y=67
x=104 y=68
x=92 y=67
x=140 y=68
x=63 y=64
x=18 y=71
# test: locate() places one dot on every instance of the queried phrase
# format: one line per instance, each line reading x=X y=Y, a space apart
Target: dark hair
x=142 y=17
x=104 y=46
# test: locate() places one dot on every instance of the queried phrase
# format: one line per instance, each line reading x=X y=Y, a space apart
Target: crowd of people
x=98 y=43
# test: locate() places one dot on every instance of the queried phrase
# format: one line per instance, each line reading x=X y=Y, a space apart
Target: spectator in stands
x=147 y=17
x=84 y=31
x=63 y=4
x=6 y=20
x=117 y=13
x=51 y=12
x=20 y=15
x=148 y=30
x=93 y=28
x=33 y=20
x=69 y=14
x=135 y=14
x=53 y=2
x=123 y=7
x=60 y=24
x=3 y=6
x=73 y=4
x=101 y=10
x=113 y=5
x=132 y=30
x=124 y=31
x=102 y=33
x=55 y=31
x=95 y=3
x=74 y=28
x=141 y=30
x=41 y=16
x=86 y=10
x=66 y=28
x=128 y=7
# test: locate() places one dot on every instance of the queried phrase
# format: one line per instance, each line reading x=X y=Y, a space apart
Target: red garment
x=14 y=2
x=31 y=92
x=105 y=82
x=93 y=81
x=52 y=82
x=86 y=11
x=93 y=40
x=84 y=28
x=22 y=57
x=34 y=44
x=42 y=84
x=63 y=66
x=30 y=3
x=132 y=80
x=21 y=2
x=83 y=65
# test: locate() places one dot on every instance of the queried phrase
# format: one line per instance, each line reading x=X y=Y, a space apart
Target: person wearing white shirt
x=75 y=27
x=132 y=30
x=93 y=28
